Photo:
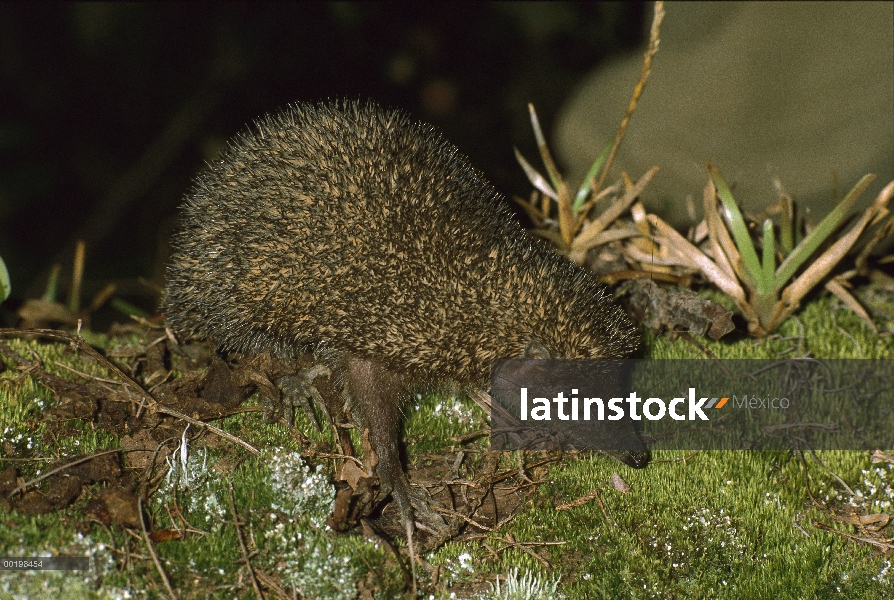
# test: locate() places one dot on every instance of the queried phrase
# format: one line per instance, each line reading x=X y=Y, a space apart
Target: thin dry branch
x=245 y=556
x=155 y=559
x=78 y=342
x=646 y=70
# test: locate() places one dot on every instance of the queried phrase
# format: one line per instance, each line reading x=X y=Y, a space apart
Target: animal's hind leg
x=374 y=396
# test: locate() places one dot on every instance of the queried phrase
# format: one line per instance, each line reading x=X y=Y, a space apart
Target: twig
x=798 y=525
x=52 y=472
x=242 y=547
x=371 y=533
x=74 y=300
x=273 y=586
x=806 y=479
x=637 y=91
x=470 y=521
x=86 y=376
x=157 y=562
x=579 y=501
x=886 y=544
x=827 y=470
x=78 y=342
x=509 y=542
x=676 y=459
x=605 y=512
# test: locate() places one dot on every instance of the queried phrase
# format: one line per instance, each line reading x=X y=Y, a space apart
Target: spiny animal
x=366 y=237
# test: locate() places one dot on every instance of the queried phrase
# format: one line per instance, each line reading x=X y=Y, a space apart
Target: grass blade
x=536 y=179
x=837 y=288
x=787 y=224
x=765 y=285
x=697 y=260
x=586 y=186
x=738 y=226
x=725 y=253
x=5 y=286
x=810 y=243
x=551 y=170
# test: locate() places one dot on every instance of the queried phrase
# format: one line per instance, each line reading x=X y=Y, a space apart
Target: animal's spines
x=347 y=226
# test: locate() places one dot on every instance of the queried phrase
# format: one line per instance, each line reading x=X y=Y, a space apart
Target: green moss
x=736 y=524
x=719 y=524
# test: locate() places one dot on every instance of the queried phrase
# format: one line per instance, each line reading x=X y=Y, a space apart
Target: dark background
x=108 y=110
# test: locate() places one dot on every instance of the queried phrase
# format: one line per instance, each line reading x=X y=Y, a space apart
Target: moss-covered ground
x=735 y=524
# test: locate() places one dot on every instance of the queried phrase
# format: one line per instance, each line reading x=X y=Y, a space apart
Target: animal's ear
x=536 y=350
